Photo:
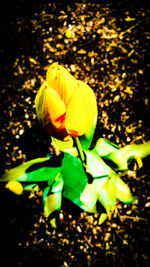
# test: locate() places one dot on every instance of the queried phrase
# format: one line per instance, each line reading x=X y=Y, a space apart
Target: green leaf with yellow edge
x=63 y=145
x=123 y=192
x=52 y=196
x=107 y=194
x=86 y=138
x=20 y=170
x=52 y=203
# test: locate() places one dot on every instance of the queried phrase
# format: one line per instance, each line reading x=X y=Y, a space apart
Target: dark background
x=120 y=79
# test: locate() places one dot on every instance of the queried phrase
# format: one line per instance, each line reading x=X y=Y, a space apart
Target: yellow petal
x=81 y=110
x=51 y=111
x=65 y=94
x=61 y=80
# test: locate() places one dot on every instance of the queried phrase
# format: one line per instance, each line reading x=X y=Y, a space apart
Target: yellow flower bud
x=65 y=106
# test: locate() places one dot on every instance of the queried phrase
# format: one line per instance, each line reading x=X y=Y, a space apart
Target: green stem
x=80 y=150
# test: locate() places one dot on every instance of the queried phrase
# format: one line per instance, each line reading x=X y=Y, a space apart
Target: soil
x=106 y=44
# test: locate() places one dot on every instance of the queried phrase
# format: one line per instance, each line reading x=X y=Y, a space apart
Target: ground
x=106 y=44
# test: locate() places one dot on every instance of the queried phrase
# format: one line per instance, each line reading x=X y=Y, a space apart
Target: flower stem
x=80 y=150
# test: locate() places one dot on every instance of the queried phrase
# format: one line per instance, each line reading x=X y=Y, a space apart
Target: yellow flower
x=65 y=106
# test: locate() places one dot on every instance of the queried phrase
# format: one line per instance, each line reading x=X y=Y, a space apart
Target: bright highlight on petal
x=61 y=80
x=81 y=110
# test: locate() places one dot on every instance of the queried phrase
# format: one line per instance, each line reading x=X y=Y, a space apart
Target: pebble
x=147 y=205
